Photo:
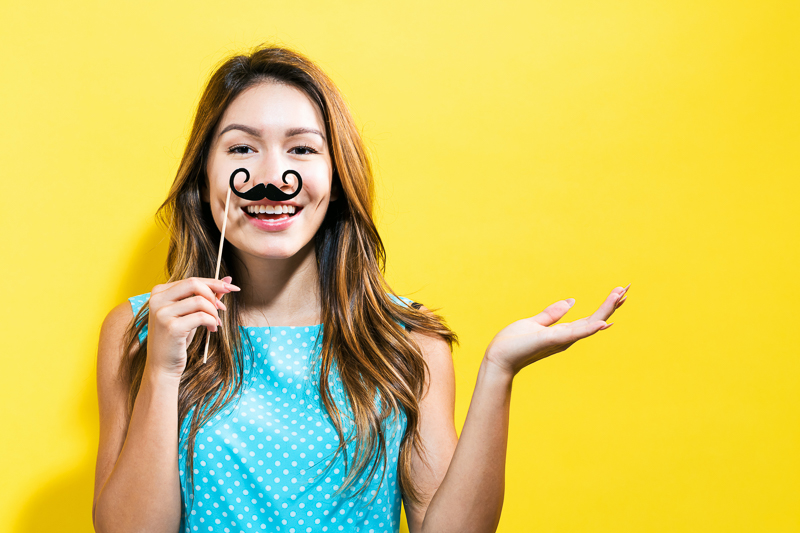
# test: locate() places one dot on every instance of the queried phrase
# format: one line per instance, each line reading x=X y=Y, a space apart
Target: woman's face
x=268 y=129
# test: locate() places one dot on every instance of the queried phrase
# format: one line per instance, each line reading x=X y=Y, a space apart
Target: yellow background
x=525 y=153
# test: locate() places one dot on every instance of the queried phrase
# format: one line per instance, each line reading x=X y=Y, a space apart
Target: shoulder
x=112 y=334
x=116 y=322
x=435 y=349
x=112 y=339
x=436 y=352
x=405 y=302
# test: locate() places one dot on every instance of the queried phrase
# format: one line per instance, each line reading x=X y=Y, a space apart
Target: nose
x=271 y=171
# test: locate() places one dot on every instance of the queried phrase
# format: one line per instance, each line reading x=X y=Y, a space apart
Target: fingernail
x=621 y=300
x=226 y=279
x=231 y=287
x=626 y=288
x=607 y=326
x=221 y=305
x=570 y=301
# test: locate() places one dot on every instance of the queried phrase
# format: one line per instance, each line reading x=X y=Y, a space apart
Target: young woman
x=325 y=398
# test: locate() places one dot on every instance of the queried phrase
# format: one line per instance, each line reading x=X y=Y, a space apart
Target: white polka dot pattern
x=267 y=461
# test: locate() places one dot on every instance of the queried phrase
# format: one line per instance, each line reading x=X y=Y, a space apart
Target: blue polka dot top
x=267 y=461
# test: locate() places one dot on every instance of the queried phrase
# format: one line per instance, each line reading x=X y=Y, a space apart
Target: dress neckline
x=315 y=326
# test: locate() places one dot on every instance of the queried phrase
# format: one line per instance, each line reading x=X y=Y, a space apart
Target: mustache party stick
x=270 y=191
x=219 y=258
x=254 y=194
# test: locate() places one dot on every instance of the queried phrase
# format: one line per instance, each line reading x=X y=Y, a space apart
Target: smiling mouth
x=271 y=212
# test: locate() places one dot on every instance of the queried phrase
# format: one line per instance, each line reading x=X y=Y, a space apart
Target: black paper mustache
x=270 y=191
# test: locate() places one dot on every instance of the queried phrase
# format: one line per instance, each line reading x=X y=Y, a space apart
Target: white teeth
x=271 y=210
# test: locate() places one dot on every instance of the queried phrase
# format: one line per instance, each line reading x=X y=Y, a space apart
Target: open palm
x=531 y=339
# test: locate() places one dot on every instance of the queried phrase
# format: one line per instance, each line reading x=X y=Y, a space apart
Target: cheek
x=318 y=189
x=215 y=181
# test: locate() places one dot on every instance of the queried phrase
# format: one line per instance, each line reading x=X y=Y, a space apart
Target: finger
x=186 y=288
x=188 y=306
x=226 y=279
x=189 y=323
x=552 y=313
x=597 y=314
x=223 y=285
x=158 y=289
x=603 y=312
x=623 y=294
x=606 y=309
x=576 y=333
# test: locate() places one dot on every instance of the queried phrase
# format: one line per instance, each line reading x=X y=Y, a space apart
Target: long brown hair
x=362 y=339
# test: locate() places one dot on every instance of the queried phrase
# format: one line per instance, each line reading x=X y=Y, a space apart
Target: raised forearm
x=470 y=496
x=143 y=491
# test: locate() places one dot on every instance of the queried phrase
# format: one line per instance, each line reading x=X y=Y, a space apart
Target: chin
x=281 y=251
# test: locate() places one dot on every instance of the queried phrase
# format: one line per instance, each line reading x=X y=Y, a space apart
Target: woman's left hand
x=531 y=339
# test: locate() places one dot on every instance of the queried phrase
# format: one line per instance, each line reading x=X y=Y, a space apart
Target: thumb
x=554 y=312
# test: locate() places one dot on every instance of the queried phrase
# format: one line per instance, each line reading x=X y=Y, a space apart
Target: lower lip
x=272 y=225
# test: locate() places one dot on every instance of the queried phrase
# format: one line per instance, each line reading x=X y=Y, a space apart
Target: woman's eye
x=302 y=150
x=242 y=149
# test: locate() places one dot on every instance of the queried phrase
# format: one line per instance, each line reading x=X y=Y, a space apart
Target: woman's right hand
x=177 y=309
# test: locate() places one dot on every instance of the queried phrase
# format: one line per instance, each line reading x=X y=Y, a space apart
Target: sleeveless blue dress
x=267 y=461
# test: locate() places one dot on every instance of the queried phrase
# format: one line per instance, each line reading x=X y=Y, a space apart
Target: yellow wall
x=526 y=153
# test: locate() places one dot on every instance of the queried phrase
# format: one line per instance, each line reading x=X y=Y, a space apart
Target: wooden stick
x=219 y=260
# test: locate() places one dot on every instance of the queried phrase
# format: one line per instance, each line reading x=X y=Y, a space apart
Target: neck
x=279 y=292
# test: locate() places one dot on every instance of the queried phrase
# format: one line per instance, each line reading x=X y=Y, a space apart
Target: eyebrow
x=247 y=129
x=257 y=133
x=299 y=131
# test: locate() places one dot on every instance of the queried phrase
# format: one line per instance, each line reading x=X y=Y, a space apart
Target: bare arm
x=137 y=483
x=437 y=426
x=137 y=487
x=462 y=485
x=467 y=491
